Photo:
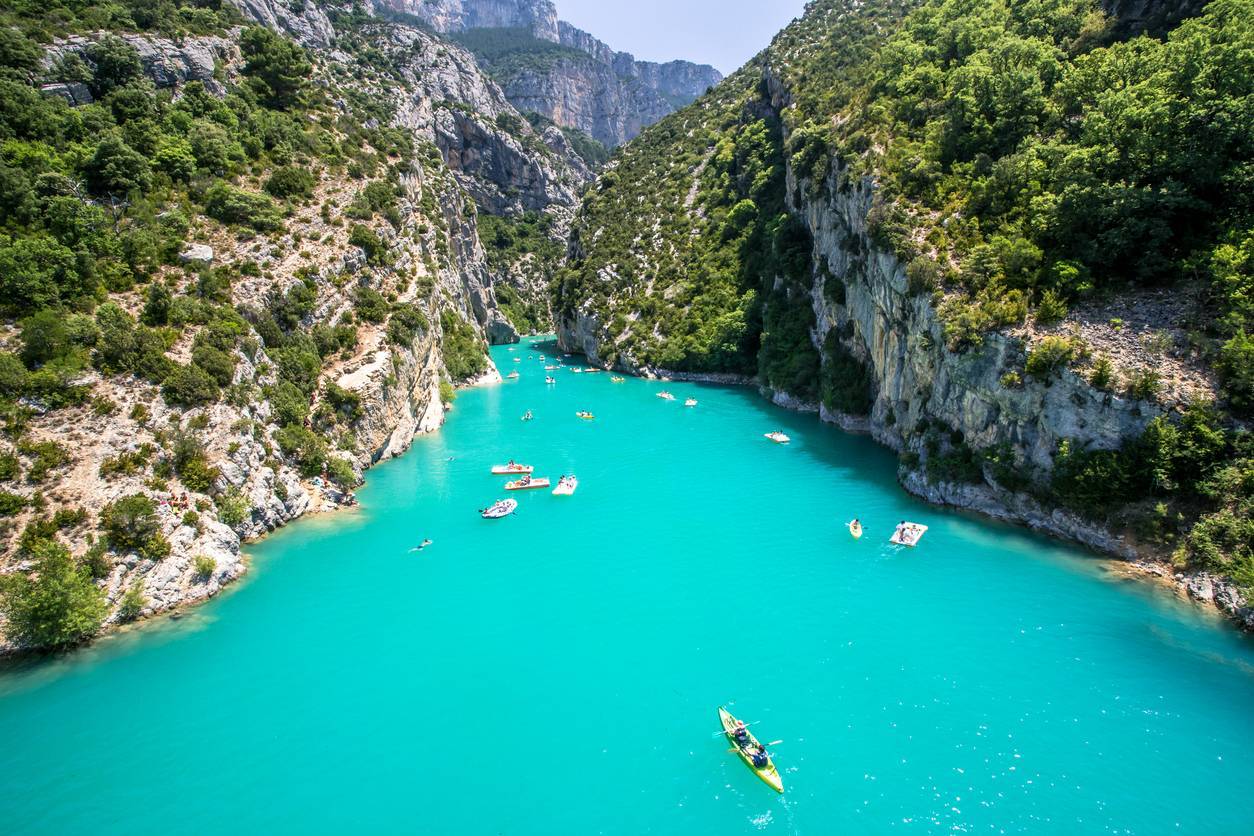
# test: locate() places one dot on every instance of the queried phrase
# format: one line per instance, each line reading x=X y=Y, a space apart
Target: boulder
x=197 y=254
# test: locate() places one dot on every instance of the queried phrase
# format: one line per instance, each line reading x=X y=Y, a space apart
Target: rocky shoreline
x=1020 y=509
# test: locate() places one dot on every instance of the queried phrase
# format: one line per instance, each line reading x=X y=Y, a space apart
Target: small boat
x=512 y=376
x=756 y=757
x=511 y=469
x=551 y=368
x=666 y=396
x=590 y=370
x=690 y=402
x=587 y=416
x=616 y=379
x=778 y=437
x=908 y=534
x=549 y=379
x=517 y=359
x=566 y=486
x=527 y=416
x=526 y=484
x=576 y=369
x=501 y=508
x=855 y=529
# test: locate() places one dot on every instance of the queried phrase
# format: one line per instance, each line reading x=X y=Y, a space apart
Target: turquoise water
x=557 y=672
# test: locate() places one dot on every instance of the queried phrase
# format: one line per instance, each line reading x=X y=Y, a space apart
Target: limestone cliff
x=566 y=75
x=375 y=393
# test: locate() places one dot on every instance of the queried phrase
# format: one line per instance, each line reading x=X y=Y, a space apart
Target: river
x=558 y=671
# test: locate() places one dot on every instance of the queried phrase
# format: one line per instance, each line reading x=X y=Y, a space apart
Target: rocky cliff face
x=430 y=261
x=607 y=94
x=537 y=16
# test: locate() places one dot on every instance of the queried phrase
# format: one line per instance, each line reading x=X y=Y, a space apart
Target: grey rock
x=197 y=254
x=74 y=93
x=309 y=26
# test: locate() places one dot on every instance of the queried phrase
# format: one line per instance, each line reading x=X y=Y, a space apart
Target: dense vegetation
x=97 y=201
x=1028 y=156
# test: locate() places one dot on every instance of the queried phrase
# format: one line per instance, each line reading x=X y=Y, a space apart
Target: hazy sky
x=725 y=33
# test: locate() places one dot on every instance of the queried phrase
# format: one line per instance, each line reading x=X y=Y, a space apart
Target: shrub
x=370 y=304
x=341 y=472
x=1053 y=353
x=464 y=355
x=1102 y=375
x=347 y=404
x=406 y=323
x=233 y=206
x=1050 y=309
x=204 y=566
x=191 y=463
x=290 y=181
x=10 y=469
x=1143 y=384
x=46 y=455
x=363 y=236
x=1236 y=372
x=189 y=386
x=133 y=601
x=304 y=447
x=58 y=606
x=290 y=405
x=11 y=504
x=233 y=507
x=131 y=524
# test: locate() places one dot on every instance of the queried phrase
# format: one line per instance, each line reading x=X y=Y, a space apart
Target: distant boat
x=501 y=508
x=666 y=396
x=576 y=369
x=566 y=486
x=690 y=402
x=548 y=379
x=551 y=368
x=511 y=469
x=908 y=534
x=855 y=528
x=615 y=379
x=778 y=437
x=587 y=416
x=526 y=484
x=527 y=416
x=512 y=376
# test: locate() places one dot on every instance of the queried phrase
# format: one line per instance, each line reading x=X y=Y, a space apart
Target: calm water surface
x=557 y=672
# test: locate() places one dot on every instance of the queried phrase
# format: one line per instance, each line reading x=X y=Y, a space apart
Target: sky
x=725 y=33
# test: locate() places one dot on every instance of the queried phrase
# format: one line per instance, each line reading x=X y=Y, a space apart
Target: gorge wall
x=564 y=74
x=634 y=296
x=395 y=279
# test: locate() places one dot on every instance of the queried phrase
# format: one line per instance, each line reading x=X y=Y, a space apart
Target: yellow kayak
x=767 y=773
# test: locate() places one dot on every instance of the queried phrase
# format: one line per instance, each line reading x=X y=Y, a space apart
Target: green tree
x=117 y=168
x=57 y=605
x=131 y=524
x=276 y=67
x=116 y=63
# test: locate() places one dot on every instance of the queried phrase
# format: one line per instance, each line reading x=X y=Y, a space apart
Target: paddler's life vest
x=760 y=760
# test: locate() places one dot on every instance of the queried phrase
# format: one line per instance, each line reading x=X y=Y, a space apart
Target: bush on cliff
x=131 y=524
x=55 y=605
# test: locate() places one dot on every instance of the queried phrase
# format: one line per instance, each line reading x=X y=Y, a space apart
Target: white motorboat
x=666 y=396
x=690 y=402
x=566 y=486
x=778 y=437
x=501 y=508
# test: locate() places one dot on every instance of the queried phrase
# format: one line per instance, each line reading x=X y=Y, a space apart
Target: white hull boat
x=512 y=469
x=501 y=509
x=778 y=438
x=528 y=485
x=908 y=534
x=566 y=486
